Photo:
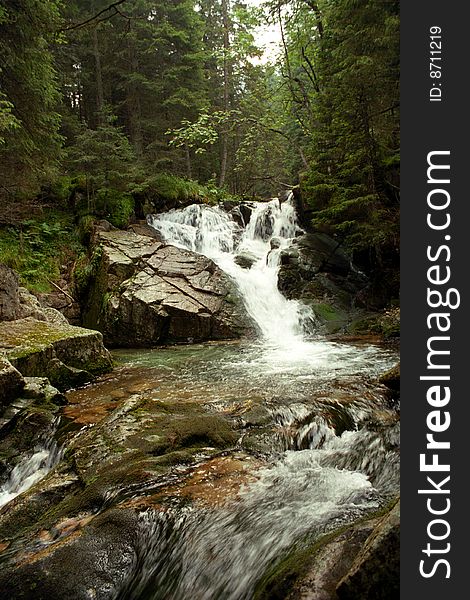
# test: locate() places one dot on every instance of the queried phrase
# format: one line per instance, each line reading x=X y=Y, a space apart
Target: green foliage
x=104 y=156
x=8 y=121
x=114 y=206
x=85 y=271
x=28 y=119
x=166 y=187
x=61 y=190
x=85 y=229
x=342 y=70
x=37 y=248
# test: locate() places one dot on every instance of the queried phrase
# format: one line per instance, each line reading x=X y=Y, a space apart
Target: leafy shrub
x=37 y=248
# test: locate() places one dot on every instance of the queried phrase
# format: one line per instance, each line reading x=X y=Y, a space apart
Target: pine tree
x=28 y=95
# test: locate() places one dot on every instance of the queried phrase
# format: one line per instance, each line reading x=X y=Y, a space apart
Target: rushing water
x=31 y=469
x=317 y=439
x=323 y=469
x=325 y=466
x=212 y=232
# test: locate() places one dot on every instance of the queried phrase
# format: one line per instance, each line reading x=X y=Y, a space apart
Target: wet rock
x=391 y=378
x=67 y=355
x=28 y=423
x=375 y=572
x=317 y=271
x=385 y=323
x=40 y=388
x=146 y=293
x=246 y=211
x=92 y=563
x=310 y=255
x=11 y=383
x=327 y=569
x=246 y=259
x=75 y=527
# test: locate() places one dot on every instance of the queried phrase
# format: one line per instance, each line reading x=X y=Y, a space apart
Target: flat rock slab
x=145 y=293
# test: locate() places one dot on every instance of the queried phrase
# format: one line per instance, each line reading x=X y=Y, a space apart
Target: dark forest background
x=108 y=108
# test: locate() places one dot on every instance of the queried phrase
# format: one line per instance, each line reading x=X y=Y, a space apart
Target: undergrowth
x=38 y=248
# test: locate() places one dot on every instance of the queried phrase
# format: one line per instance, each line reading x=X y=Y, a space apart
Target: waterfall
x=212 y=232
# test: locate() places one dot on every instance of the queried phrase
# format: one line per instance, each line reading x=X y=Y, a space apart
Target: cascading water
x=304 y=425
x=31 y=469
x=326 y=468
x=212 y=232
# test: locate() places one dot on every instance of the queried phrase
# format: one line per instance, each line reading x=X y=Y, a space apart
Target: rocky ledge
x=67 y=355
x=37 y=341
x=143 y=293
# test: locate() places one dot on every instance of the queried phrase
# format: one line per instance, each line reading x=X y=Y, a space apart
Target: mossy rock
x=314 y=569
x=333 y=319
x=386 y=324
x=67 y=355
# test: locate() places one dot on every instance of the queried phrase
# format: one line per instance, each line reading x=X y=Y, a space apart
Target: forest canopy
x=132 y=98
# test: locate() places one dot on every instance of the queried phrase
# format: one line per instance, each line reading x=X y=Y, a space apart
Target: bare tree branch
x=312 y=78
x=96 y=19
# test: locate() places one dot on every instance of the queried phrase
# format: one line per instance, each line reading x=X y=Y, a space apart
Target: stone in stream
x=245 y=259
x=357 y=561
x=145 y=293
x=375 y=573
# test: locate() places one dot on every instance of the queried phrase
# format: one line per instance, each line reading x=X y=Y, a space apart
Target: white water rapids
x=31 y=469
x=320 y=478
x=314 y=433
x=212 y=232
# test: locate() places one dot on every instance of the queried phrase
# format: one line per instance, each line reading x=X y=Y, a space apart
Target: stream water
x=317 y=440
x=31 y=469
x=322 y=467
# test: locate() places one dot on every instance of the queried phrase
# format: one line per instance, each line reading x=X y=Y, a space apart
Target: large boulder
x=375 y=572
x=17 y=302
x=145 y=293
x=357 y=561
x=316 y=270
x=66 y=354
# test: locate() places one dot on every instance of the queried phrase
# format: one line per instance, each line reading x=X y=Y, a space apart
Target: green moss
x=386 y=324
x=114 y=206
x=167 y=188
x=26 y=339
x=332 y=318
x=326 y=312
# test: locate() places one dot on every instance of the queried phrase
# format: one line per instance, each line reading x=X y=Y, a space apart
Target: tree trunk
x=189 y=170
x=134 y=111
x=224 y=135
x=98 y=77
